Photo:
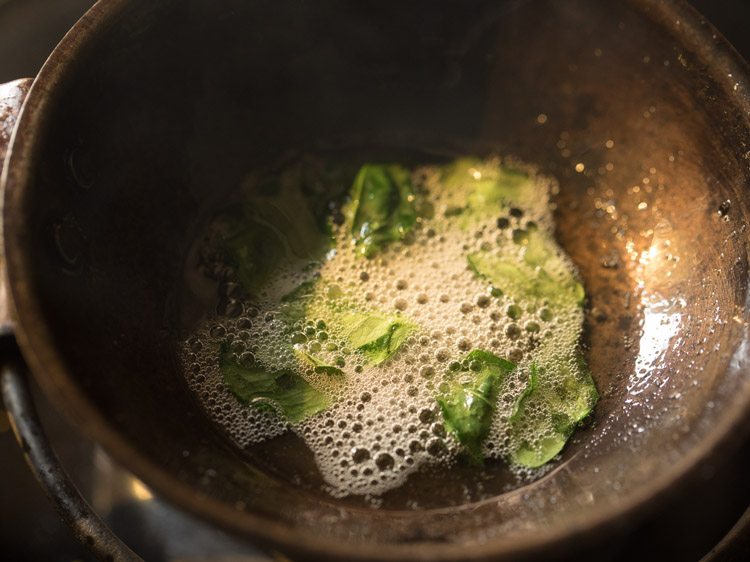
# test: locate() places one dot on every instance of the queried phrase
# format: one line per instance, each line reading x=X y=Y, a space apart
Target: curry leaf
x=542 y=254
x=253 y=249
x=519 y=406
x=293 y=305
x=272 y=229
x=467 y=407
x=559 y=396
x=521 y=281
x=540 y=249
x=377 y=337
x=282 y=391
x=488 y=187
x=383 y=206
x=317 y=364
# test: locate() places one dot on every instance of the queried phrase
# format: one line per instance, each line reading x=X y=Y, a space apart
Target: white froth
x=385 y=423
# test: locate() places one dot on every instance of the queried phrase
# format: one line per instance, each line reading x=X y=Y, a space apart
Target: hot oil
x=383 y=442
x=432 y=487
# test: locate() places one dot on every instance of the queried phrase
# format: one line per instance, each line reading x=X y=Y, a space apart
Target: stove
x=687 y=527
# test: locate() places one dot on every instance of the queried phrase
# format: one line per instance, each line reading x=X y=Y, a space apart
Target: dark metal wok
x=149 y=113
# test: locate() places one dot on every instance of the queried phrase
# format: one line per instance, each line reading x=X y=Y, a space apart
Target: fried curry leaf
x=323 y=182
x=293 y=305
x=315 y=363
x=252 y=248
x=467 y=408
x=271 y=230
x=531 y=386
x=284 y=392
x=546 y=413
x=382 y=208
x=529 y=280
x=489 y=187
x=377 y=336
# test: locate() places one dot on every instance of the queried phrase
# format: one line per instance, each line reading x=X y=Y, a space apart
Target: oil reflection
x=139 y=491
x=152 y=527
x=658 y=271
x=661 y=322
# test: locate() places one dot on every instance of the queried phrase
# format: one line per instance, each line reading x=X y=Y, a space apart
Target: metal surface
x=12 y=95
x=735 y=546
x=42 y=460
x=95 y=302
x=29 y=525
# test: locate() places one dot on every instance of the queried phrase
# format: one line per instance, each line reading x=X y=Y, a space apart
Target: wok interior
x=174 y=104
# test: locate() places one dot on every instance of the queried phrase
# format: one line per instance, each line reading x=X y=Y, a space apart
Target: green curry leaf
x=272 y=229
x=530 y=280
x=293 y=305
x=467 y=407
x=488 y=187
x=284 y=391
x=560 y=397
x=252 y=248
x=377 y=336
x=315 y=363
x=519 y=406
x=382 y=208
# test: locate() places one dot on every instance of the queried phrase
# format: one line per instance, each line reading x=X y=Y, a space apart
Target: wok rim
x=46 y=363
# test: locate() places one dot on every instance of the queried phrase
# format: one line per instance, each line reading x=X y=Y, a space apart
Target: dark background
x=29 y=527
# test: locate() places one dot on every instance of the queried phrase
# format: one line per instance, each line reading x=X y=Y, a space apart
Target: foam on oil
x=385 y=423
